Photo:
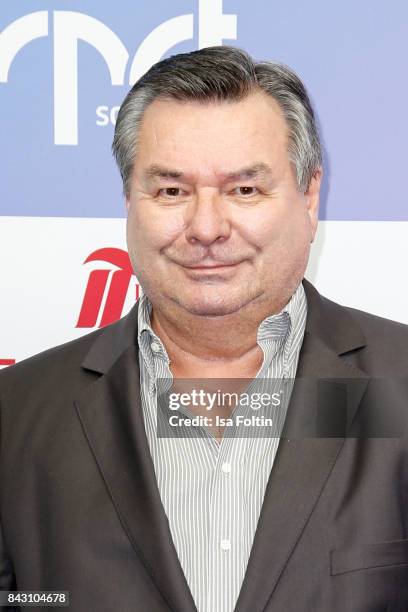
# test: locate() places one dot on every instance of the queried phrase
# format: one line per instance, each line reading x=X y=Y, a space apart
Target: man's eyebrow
x=258 y=170
x=155 y=171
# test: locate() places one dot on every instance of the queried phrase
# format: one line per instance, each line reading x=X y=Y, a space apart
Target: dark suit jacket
x=81 y=510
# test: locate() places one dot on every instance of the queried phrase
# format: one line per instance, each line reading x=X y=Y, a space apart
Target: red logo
x=7 y=362
x=115 y=282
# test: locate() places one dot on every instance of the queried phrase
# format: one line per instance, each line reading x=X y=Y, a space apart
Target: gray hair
x=216 y=74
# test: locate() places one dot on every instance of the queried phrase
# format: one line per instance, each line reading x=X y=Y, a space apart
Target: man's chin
x=212 y=308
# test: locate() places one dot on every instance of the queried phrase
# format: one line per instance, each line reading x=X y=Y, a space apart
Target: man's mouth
x=214 y=266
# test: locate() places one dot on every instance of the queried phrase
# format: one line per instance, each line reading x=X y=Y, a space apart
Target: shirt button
x=155 y=346
x=225 y=544
x=226 y=468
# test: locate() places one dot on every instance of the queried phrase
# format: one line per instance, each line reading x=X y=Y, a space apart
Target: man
x=221 y=165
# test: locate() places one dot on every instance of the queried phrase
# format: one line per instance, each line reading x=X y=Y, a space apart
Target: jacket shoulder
x=380 y=326
x=58 y=363
x=386 y=340
x=377 y=345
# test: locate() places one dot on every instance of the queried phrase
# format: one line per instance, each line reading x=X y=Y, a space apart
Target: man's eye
x=245 y=190
x=170 y=192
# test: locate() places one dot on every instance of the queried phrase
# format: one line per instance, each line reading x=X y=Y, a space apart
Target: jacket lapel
x=304 y=461
x=111 y=415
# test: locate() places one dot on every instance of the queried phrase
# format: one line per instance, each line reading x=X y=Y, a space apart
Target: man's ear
x=127 y=203
x=312 y=196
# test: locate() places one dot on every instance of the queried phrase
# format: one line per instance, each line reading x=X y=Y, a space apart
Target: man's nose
x=207 y=219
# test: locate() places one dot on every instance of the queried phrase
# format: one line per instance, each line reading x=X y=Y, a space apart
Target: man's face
x=215 y=219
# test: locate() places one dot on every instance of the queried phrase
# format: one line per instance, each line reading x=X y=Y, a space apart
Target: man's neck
x=224 y=347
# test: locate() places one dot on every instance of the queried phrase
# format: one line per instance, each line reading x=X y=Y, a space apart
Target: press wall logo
x=69 y=27
x=6 y=362
x=106 y=290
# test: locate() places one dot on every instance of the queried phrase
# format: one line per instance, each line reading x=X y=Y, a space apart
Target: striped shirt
x=212 y=492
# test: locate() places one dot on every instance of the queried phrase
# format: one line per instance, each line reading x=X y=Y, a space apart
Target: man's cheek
x=167 y=234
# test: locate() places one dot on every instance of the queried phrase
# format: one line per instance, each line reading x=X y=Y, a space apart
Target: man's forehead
x=217 y=144
x=256 y=112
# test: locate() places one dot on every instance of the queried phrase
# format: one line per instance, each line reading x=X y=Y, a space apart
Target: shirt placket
x=225 y=527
